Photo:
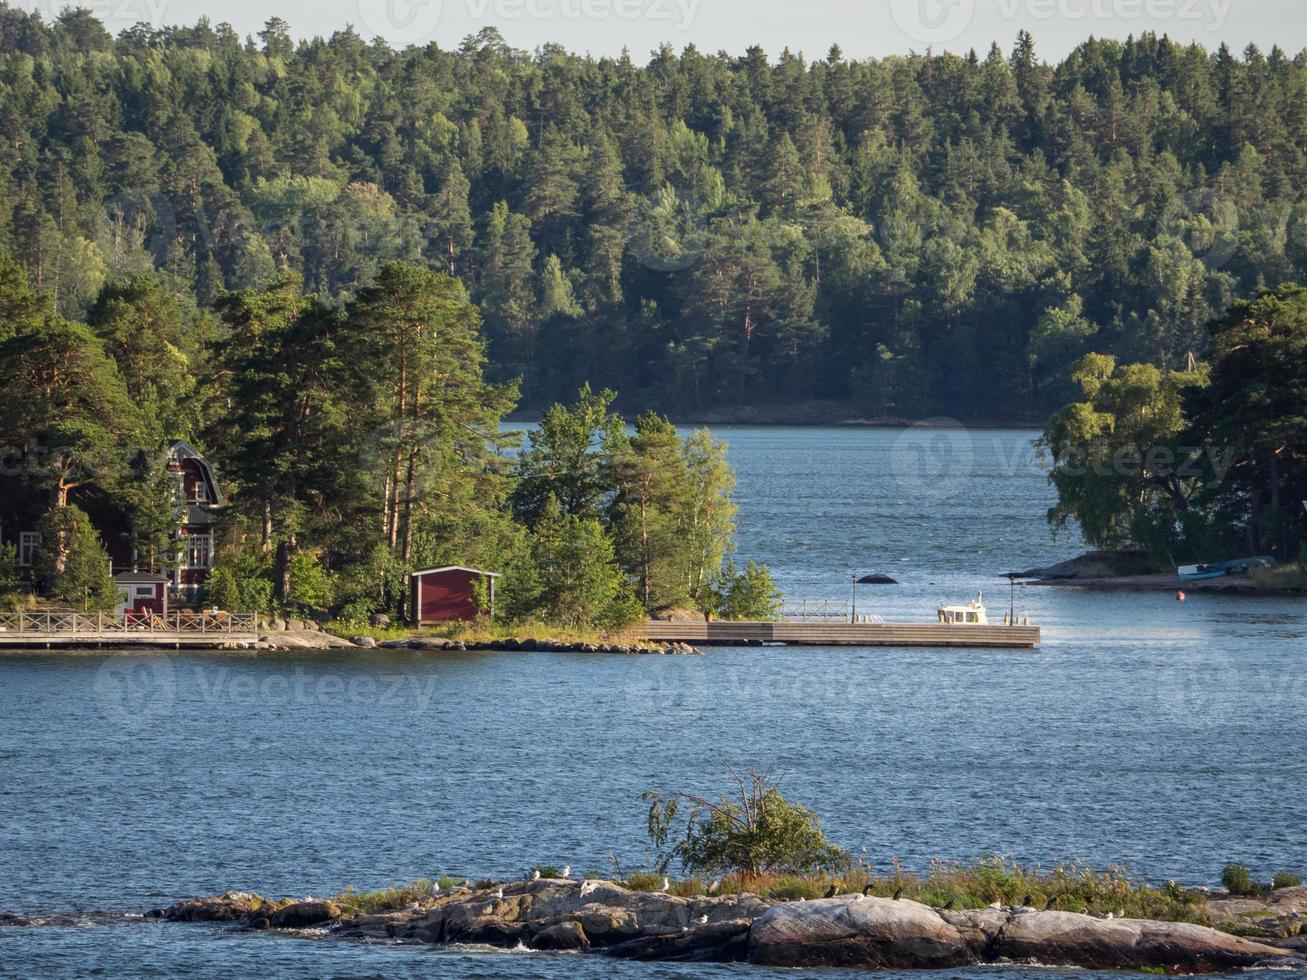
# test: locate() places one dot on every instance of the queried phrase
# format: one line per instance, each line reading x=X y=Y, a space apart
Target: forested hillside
x=927 y=234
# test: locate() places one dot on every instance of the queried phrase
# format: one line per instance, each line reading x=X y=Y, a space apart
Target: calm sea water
x=1169 y=737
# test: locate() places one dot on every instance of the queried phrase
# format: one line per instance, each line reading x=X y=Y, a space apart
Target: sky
x=862 y=28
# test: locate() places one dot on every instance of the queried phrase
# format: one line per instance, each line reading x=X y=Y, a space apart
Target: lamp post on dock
x=1012 y=608
x=853 y=605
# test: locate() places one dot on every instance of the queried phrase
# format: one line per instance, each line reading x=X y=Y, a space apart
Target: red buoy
x=1179 y=597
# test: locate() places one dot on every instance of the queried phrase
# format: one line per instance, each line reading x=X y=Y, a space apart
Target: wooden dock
x=175 y=630
x=831 y=634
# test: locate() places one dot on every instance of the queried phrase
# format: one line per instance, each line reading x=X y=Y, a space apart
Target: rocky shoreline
x=601 y=917
x=307 y=635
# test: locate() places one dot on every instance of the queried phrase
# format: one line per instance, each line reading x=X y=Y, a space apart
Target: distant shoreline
x=814 y=414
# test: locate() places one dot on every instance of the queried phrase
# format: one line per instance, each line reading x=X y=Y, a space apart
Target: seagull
x=1109 y=916
x=535 y=875
x=499 y=892
x=435 y=890
x=802 y=899
x=587 y=887
x=714 y=885
x=832 y=891
x=666 y=884
x=702 y=919
x=1120 y=913
x=995 y=905
x=567 y=871
x=898 y=893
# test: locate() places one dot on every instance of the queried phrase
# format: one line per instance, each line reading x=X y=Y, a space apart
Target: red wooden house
x=448 y=594
x=198 y=497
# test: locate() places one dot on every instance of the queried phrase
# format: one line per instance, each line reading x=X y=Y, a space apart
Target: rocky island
x=604 y=918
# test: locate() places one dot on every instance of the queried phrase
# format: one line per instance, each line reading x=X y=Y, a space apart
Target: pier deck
x=175 y=630
x=828 y=634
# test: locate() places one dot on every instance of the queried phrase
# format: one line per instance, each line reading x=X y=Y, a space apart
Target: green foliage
x=10 y=578
x=748 y=594
x=931 y=233
x=310 y=585
x=73 y=563
x=750 y=830
x=1201 y=463
x=1286 y=879
x=570 y=575
x=241 y=583
x=1238 y=880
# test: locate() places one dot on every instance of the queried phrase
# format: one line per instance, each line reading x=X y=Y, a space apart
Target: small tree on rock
x=751 y=830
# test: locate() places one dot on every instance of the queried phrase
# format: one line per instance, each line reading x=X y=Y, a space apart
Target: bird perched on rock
x=832 y=891
x=866 y=889
x=535 y=875
x=947 y=905
x=435 y=891
x=666 y=884
x=587 y=887
x=995 y=905
x=713 y=885
x=1027 y=902
x=567 y=871
x=1109 y=915
x=1052 y=900
x=499 y=892
x=898 y=893
x=702 y=919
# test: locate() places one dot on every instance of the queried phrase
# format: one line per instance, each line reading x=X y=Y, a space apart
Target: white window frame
x=29 y=543
x=201 y=490
x=192 y=542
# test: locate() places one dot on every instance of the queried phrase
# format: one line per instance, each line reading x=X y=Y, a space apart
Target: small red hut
x=141 y=594
x=445 y=595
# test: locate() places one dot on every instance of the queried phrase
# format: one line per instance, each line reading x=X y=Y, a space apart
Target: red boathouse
x=446 y=595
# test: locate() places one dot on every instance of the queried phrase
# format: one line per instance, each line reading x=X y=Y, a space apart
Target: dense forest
x=926 y=234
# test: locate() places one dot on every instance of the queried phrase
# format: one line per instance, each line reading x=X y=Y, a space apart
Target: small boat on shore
x=1220 y=569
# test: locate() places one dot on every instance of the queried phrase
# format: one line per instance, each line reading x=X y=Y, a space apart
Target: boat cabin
x=972 y=614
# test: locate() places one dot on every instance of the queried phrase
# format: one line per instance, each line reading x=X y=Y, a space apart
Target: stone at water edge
x=304 y=915
x=1068 y=938
x=564 y=936
x=866 y=932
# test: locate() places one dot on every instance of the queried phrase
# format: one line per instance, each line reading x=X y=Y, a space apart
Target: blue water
x=1167 y=737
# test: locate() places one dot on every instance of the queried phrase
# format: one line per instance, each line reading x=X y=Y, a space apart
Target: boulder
x=366 y=642
x=303 y=915
x=1071 y=939
x=228 y=907
x=874 y=933
x=564 y=936
x=380 y=621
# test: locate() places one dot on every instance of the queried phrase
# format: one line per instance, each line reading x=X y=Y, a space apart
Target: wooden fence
x=99 y=626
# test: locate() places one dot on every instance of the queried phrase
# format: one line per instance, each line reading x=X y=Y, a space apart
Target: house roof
x=139 y=577
x=458 y=568
x=180 y=449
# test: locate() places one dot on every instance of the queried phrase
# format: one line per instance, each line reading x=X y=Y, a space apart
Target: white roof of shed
x=458 y=568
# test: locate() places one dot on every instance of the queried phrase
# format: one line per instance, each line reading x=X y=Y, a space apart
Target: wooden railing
x=72 y=624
